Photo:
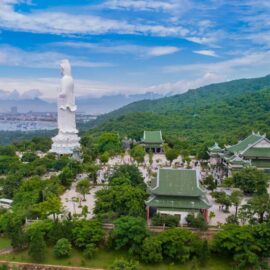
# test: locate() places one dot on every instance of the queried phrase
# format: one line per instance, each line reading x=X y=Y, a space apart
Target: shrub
x=197 y=221
x=179 y=245
x=168 y=220
x=151 y=250
x=90 y=251
x=37 y=246
x=62 y=248
x=121 y=264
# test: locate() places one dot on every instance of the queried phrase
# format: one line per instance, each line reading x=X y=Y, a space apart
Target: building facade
x=177 y=192
x=254 y=150
x=152 y=141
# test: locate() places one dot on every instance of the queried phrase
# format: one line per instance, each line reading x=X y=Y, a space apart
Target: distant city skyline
x=131 y=46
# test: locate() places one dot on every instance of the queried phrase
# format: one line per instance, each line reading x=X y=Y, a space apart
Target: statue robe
x=66 y=106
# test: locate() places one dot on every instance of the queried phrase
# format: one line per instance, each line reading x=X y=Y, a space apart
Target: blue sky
x=132 y=46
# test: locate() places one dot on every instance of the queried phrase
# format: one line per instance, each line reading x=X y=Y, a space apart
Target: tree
x=223 y=199
x=236 y=198
x=51 y=206
x=204 y=253
x=11 y=185
x=171 y=154
x=211 y=215
x=29 y=157
x=92 y=170
x=37 y=246
x=210 y=183
x=85 y=211
x=8 y=164
x=138 y=153
x=109 y=142
x=232 y=219
x=87 y=232
x=129 y=232
x=151 y=251
x=239 y=243
x=251 y=180
x=121 y=264
x=122 y=200
x=66 y=177
x=179 y=245
x=13 y=226
x=257 y=206
x=83 y=187
x=104 y=157
x=7 y=150
x=62 y=248
x=128 y=171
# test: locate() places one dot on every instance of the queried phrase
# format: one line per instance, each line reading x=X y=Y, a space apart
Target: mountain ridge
x=223 y=112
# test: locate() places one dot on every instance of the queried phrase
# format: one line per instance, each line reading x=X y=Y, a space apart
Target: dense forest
x=223 y=112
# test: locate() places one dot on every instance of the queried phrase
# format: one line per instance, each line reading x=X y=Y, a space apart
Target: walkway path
x=33 y=266
x=72 y=200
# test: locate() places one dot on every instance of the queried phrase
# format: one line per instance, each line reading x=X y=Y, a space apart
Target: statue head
x=65 y=67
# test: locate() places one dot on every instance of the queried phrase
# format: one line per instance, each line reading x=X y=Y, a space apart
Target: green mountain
x=220 y=112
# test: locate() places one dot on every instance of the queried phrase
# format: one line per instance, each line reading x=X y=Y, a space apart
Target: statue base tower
x=65 y=143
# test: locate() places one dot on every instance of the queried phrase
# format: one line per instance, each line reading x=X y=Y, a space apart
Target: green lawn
x=4 y=243
x=103 y=259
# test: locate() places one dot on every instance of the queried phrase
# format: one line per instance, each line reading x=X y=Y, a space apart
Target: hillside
x=221 y=112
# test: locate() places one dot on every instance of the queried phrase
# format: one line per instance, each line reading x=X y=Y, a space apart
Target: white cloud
x=56 y=22
x=182 y=86
x=117 y=48
x=159 y=51
x=11 y=56
x=252 y=63
x=49 y=87
x=206 y=52
x=138 y=5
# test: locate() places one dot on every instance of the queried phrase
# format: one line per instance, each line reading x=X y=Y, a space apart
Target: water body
x=26 y=125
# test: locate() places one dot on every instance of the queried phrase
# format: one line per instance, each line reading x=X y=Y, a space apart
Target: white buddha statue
x=67 y=139
x=66 y=100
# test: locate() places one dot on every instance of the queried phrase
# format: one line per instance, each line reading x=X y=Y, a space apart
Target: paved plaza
x=72 y=200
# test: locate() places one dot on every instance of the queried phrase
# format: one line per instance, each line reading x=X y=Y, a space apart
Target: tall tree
x=138 y=153
x=37 y=246
x=171 y=154
x=236 y=198
x=83 y=187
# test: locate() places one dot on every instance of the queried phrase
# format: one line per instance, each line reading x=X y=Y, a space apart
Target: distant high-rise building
x=14 y=110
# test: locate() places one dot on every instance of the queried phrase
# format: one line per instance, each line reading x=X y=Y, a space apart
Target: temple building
x=213 y=153
x=152 y=141
x=177 y=192
x=252 y=151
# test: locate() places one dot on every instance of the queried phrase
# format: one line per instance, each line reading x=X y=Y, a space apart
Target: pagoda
x=254 y=150
x=177 y=192
x=152 y=141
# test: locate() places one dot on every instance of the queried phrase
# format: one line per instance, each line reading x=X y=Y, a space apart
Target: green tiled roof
x=215 y=148
x=152 y=137
x=257 y=152
x=175 y=182
x=241 y=146
x=236 y=160
x=177 y=203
